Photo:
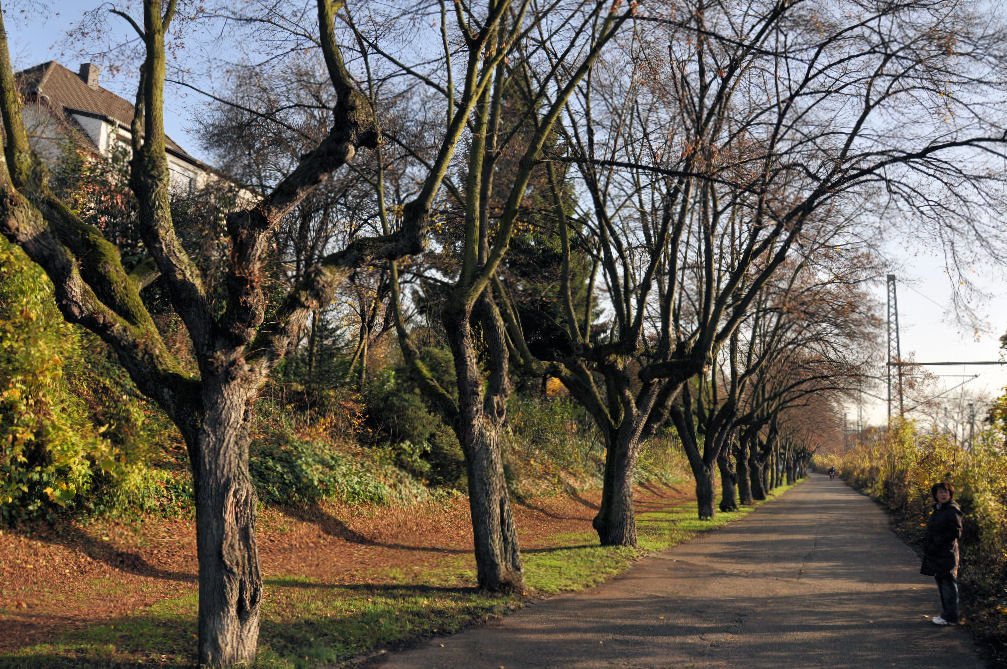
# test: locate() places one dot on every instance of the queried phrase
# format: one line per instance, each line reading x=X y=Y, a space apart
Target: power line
x=896 y=364
x=899 y=363
x=942 y=394
x=925 y=296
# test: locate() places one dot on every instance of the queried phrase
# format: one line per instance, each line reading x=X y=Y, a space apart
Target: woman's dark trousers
x=947 y=585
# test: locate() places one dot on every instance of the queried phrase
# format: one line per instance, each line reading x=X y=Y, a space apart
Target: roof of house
x=65 y=91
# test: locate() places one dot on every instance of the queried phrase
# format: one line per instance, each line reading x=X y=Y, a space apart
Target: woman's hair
x=945 y=485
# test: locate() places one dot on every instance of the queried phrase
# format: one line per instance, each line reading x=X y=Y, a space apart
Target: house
x=62 y=106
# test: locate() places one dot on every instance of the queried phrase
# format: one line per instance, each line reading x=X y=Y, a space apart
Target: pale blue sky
x=930 y=330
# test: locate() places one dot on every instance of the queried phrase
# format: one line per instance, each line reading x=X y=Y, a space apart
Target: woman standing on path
x=940 y=550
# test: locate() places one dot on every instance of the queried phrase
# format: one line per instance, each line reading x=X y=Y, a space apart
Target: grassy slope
x=307 y=623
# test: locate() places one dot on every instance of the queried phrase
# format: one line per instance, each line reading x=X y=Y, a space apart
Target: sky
x=929 y=327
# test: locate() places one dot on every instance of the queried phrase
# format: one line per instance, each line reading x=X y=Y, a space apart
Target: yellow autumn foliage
x=898 y=467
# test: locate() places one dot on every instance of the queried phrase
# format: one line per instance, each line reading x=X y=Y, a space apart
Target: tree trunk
x=755 y=473
x=615 y=522
x=728 y=482
x=682 y=417
x=230 y=585
x=312 y=348
x=704 y=492
x=498 y=557
x=768 y=472
x=365 y=334
x=744 y=482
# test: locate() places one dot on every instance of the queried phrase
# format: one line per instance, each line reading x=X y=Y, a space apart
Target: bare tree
x=257 y=131
x=508 y=128
x=812 y=348
x=815 y=320
x=706 y=167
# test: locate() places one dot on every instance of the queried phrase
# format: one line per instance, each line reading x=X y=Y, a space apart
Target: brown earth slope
x=70 y=575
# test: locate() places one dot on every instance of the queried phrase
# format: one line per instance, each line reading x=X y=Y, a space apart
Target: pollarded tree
x=257 y=130
x=234 y=346
x=454 y=86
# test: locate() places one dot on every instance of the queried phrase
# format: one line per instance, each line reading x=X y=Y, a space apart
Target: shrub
x=549 y=443
x=303 y=458
x=49 y=453
x=898 y=468
x=412 y=437
x=140 y=489
x=73 y=428
x=302 y=473
x=662 y=460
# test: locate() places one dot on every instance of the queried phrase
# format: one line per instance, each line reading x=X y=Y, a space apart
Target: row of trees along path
x=814 y=579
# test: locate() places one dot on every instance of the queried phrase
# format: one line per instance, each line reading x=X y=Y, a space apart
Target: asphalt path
x=813 y=579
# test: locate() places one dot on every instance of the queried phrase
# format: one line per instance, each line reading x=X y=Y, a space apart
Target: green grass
x=576 y=567
x=306 y=623
x=317 y=624
x=160 y=635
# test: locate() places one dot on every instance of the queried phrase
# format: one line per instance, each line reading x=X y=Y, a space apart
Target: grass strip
x=307 y=623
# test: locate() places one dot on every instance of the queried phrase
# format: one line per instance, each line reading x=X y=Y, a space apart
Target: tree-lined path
x=814 y=579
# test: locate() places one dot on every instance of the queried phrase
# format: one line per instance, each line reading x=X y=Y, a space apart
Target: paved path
x=814 y=579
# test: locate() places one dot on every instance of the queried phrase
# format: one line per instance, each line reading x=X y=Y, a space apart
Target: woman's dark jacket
x=940 y=546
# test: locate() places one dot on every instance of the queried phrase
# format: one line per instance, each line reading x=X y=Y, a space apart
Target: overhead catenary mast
x=895 y=354
x=894 y=347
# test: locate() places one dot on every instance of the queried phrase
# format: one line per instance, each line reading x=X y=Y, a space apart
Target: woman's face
x=943 y=496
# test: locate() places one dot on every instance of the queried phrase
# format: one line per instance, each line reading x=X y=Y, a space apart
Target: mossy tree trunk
x=233 y=347
x=480 y=419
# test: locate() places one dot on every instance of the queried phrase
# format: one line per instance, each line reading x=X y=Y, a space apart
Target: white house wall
x=97 y=129
x=50 y=140
x=48 y=137
x=184 y=177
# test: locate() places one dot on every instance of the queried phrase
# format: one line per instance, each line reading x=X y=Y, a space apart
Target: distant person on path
x=940 y=550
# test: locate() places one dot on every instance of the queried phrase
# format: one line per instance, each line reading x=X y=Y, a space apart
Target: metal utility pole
x=972 y=425
x=894 y=347
x=860 y=413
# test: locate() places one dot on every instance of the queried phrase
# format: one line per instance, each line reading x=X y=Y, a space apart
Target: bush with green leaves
x=303 y=473
x=661 y=459
x=139 y=489
x=48 y=450
x=294 y=472
x=73 y=428
x=550 y=443
x=898 y=467
x=412 y=437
